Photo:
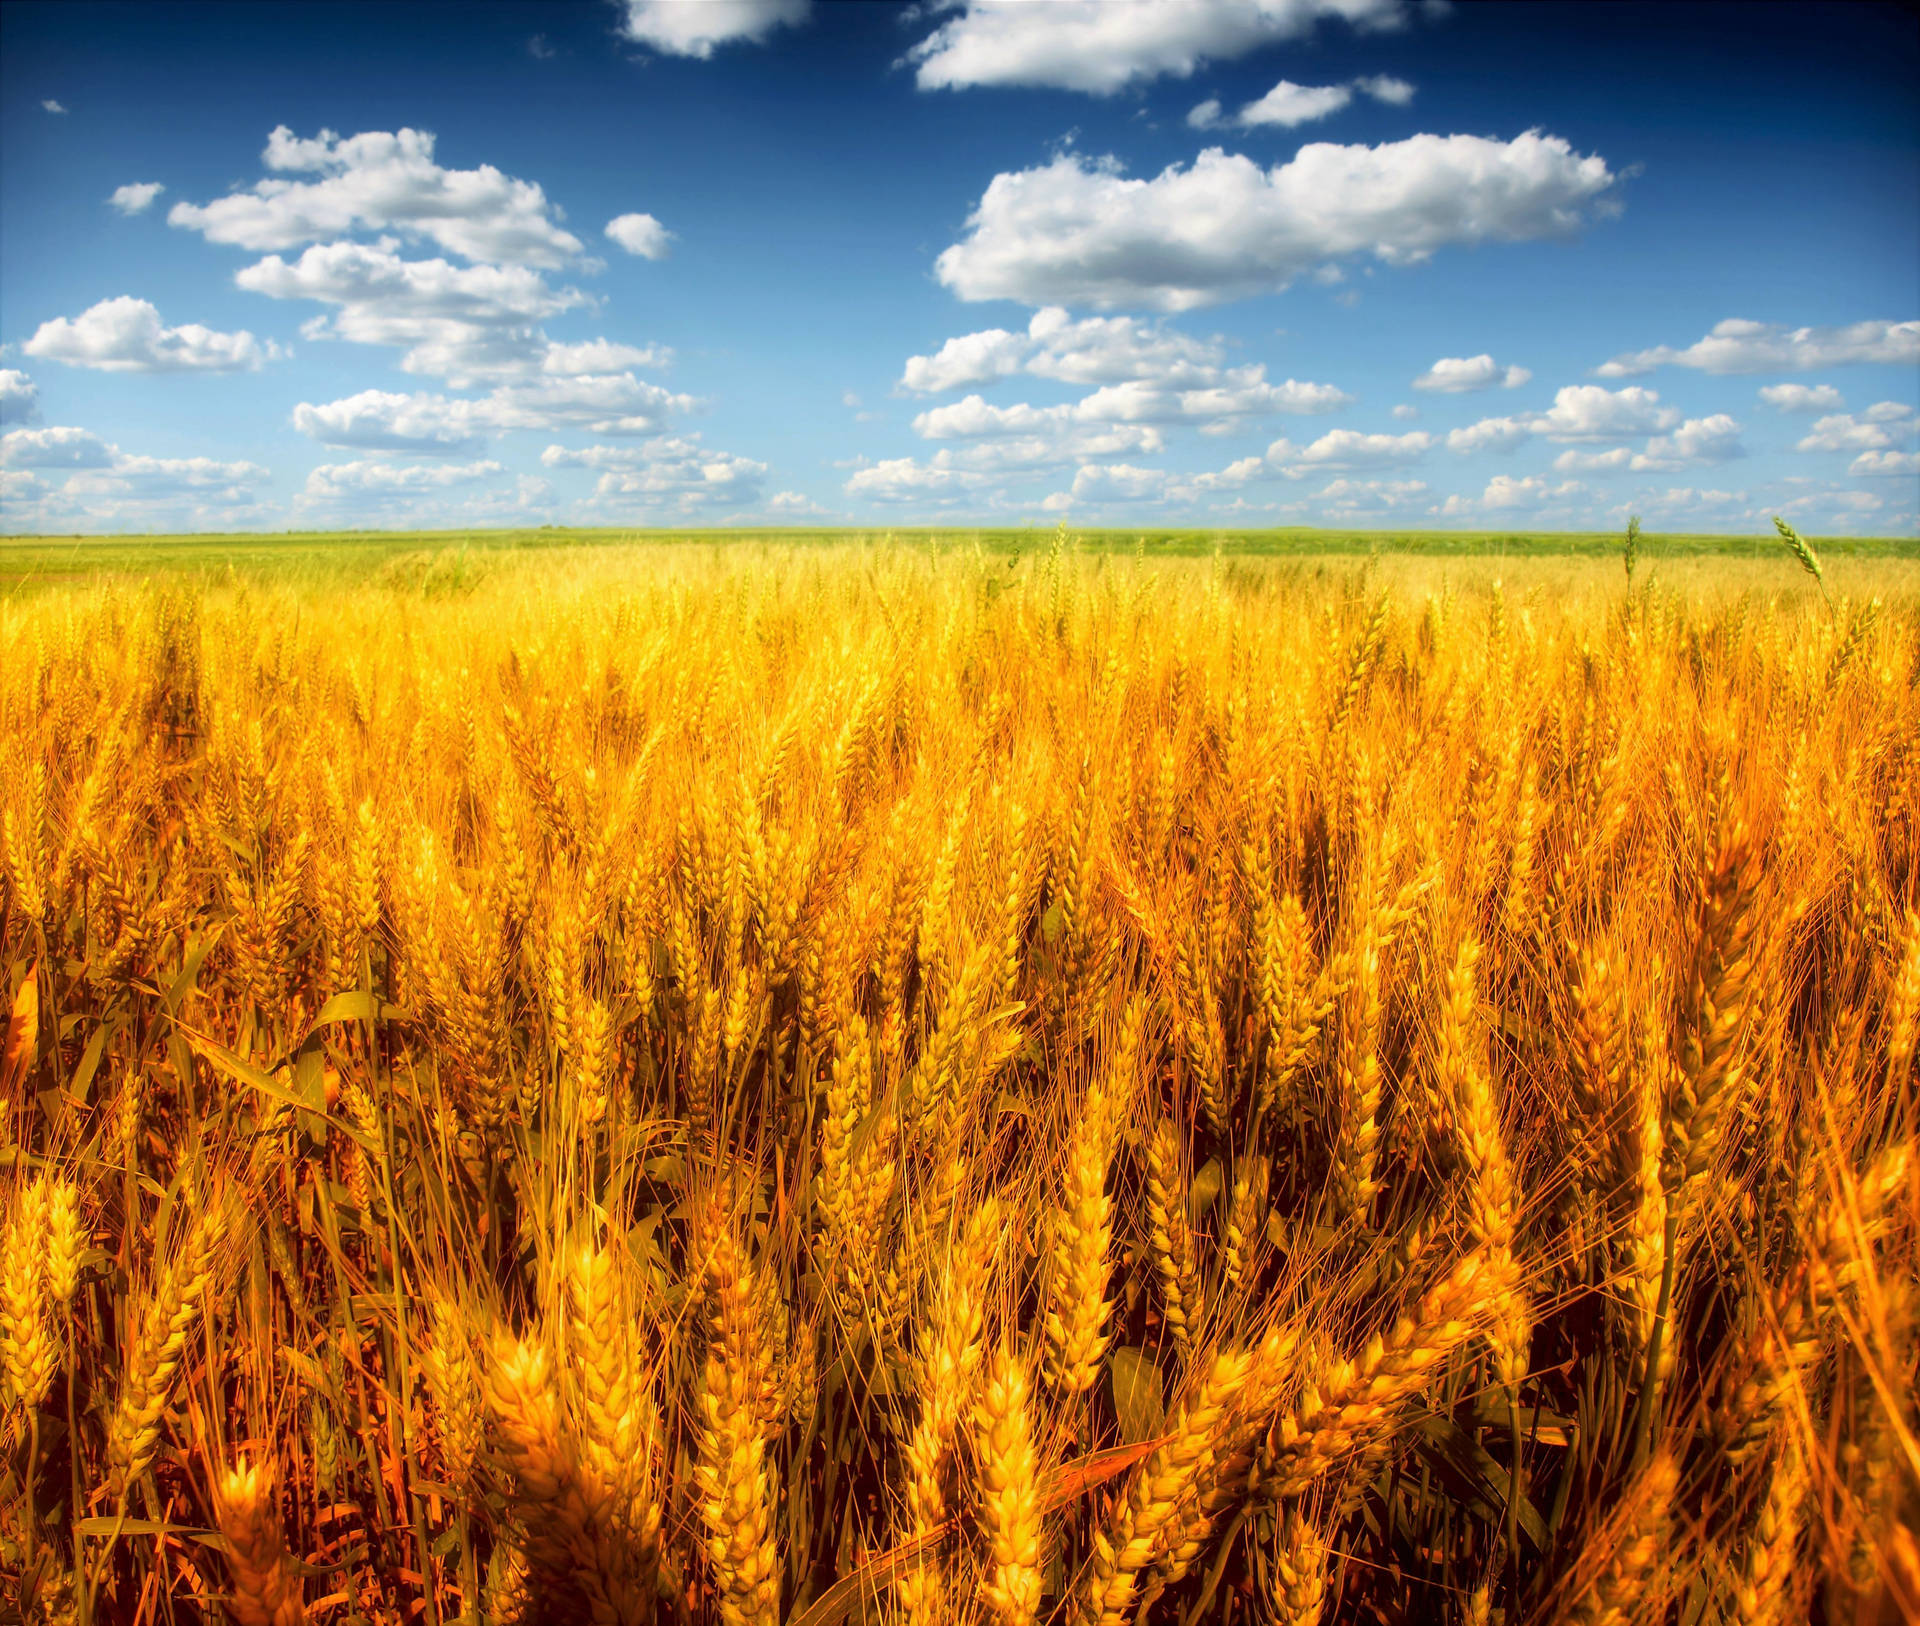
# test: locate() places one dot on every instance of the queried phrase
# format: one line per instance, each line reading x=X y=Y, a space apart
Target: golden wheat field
x=790 y=1085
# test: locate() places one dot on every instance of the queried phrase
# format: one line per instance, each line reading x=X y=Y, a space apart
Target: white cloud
x=125 y=335
x=54 y=448
x=1580 y=412
x=673 y=470
x=1571 y=462
x=1383 y=87
x=601 y=356
x=1288 y=104
x=1096 y=350
x=793 y=503
x=1080 y=232
x=1206 y=115
x=19 y=397
x=1242 y=391
x=906 y=479
x=1118 y=482
x=136 y=197
x=383 y=181
x=1589 y=412
x=1874 y=463
x=52 y=106
x=163 y=476
x=1353 y=448
x=380 y=420
x=694 y=27
x=358 y=481
x=1457 y=375
x=1101 y=46
x=1406 y=411
x=1843 y=432
x=1504 y=492
x=1740 y=346
x=110 y=490
x=1887 y=412
x=1490 y=434
x=456 y=322
x=1347 y=495
x=640 y=234
x=1802 y=397
x=1698 y=440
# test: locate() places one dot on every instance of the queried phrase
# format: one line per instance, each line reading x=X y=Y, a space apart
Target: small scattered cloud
x=1288 y=105
x=1802 y=397
x=1406 y=412
x=52 y=106
x=19 y=397
x=1099 y=47
x=540 y=48
x=136 y=197
x=1458 y=375
x=680 y=28
x=1699 y=440
x=1740 y=346
x=794 y=505
x=1879 y=463
x=1383 y=87
x=641 y=235
x=125 y=335
x=54 y=448
x=1870 y=431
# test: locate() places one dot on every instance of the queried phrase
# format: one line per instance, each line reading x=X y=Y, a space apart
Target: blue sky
x=1239 y=262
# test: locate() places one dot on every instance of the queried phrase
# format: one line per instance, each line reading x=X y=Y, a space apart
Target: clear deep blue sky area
x=1239 y=262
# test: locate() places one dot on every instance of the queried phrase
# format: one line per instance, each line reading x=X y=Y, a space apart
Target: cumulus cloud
x=381 y=420
x=1589 y=412
x=1096 y=350
x=54 y=448
x=938 y=481
x=125 y=335
x=1505 y=493
x=358 y=481
x=640 y=234
x=1406 y=411
x=1352 y=449
x=1288 y=104
x=52 y=106
x=1740 y=346
x=1100 y=46
x=1240 y=392
x=1873 y=463
x=1873 y=430
x=1698 y=440
x=679 y=28
x=1457 y=375
x=105 y=489
x=454 y=321
x=1347 y=495
x=1802 y=397
x=601 y=356
x=383 y=181
x=1491 y=434
x=1080 y=232
x=19 y=397
x=136 y=197
x=1383 y=87
x=1571 y=462
x=674 y=471
x=794 y=504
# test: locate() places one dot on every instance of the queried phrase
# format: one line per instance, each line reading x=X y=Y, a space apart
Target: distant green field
x=27 y=561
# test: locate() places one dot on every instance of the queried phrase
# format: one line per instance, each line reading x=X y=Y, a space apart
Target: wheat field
x=773 y=1085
